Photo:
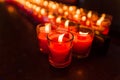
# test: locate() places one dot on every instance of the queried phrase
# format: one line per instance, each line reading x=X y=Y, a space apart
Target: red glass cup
x=60 y=48
x=82 y=42
x=42 y=32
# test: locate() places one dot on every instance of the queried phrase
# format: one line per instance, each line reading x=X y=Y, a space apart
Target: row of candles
x=49 y=11
x=61 y=43
x=64 y=30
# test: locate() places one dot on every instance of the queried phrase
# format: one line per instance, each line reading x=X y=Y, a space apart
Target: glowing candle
x=98 y=23
x=83 y=20
x=82 y=42
x=60 y=44
x=43 y=18
x=42 y=31
x=45 y=4
x=88 y=21
x=58 y=20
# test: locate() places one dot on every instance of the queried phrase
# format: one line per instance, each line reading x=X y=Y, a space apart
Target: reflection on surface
x=10 y=9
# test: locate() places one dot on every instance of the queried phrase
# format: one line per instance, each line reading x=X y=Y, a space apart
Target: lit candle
x=58 y=20
x=43 y=18
x=82 y=42
x=42 y=31
x=88 y=21
x=45 y=4
x=98 y=23
x=60 y=11
x=83 y=20
x=60 y=44
x=76 y=18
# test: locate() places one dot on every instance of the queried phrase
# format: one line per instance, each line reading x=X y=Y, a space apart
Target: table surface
x=20 y=58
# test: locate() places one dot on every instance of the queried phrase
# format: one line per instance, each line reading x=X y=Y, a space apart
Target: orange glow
x=66 y=13
x=2 y=0
x=50 y=16
x=34 y=7
x=67 y=23
x=72 y=8
x=47 y=27
x=50 y=4
x=101 y=19
x=89 y=14
x=78 y=11
x=37 y=1
x=37 y=9
x=42 y=11
x=54 y=6
x=60 y=10
x=76 y=16
x=45 y=3
x=11 y=9
x=60 y=38
x=83 y=18
x=65 y=7
x=58 y=19
x=87 y=22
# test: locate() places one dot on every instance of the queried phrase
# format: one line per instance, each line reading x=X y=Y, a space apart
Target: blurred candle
x=42 y=31
x=83 y=20
x=99 y=21
x=43 y=18
x=82 y=42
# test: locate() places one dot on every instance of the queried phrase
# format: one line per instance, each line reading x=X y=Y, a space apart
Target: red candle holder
x=42 y=31
x=82 y=42
x=60 y=44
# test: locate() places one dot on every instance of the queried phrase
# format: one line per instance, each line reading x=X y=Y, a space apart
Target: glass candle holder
x=60 y=44
x=42 y=31
x=82 y=42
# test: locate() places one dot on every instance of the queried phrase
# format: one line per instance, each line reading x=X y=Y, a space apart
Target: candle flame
x=58 y=19
x=37 y=9
x=50 y=4
x=65 y=7
x=60 y=10
x=34 y=7
x=87 y=22
x=89 y=14
x=47 y=27
x=81 y=9
x=37 y=1
x=72 y=8
x=60 y=38
x=50 y=16
x=45 y=3
x=78 y=11
x=67 y=23
x=83 y=33
x=42 y=11
x=54 y=6
x=76 y=16
x=101 y=19
x=66 y=13
x=83 y=18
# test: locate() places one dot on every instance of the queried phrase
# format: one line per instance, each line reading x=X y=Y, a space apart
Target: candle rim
x=72 y=36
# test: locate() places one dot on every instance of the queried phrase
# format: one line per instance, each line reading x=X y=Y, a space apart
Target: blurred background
x=111 y=7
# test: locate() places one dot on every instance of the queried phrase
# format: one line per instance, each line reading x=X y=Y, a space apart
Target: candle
x=83 y=20
x=42 y=31
x=43 y=18
x=60 y=44
x=88 y=21
x=82 y=42
x=64 y=27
